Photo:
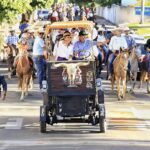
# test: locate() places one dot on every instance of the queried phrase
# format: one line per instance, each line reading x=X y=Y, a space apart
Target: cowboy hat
x=83 y=32
x=11 y=29
x=41 y=30
x=126 y=29
x=147 y=45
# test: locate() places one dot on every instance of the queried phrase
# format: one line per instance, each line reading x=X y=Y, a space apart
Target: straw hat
x=41 y=30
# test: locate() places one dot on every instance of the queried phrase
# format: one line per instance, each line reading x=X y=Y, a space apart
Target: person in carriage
x=63 y=49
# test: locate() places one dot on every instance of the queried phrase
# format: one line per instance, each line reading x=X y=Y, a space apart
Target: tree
x=100 y=2
x=10 y=9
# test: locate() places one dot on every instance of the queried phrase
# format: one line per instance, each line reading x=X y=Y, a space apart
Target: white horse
x=134 y=59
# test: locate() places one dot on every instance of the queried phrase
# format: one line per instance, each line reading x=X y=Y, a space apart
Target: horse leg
x=148 y=82
x=31 y=82
x=133 y=82
x=141 y=81
x=118 y=89
x=27 y=79
x=22 y=89
x=112 y=83
x=124 y=88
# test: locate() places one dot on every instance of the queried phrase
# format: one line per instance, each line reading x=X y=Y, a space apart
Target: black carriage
x=72 y=93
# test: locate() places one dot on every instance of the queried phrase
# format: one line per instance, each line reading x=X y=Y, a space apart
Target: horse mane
x=120 y=63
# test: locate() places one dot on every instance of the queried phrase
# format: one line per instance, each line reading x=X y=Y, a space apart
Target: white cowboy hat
x=11 y=29
x=101 y=29
x=41 y=30
x=126 y=29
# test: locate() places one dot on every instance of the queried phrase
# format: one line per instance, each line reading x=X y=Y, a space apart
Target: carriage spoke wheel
x=43 y=127
x=102 y=124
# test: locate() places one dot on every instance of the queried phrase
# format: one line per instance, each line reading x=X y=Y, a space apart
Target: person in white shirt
x=117 y=42
x=63 y=50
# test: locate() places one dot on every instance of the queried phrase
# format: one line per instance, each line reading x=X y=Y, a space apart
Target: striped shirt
x=12 y=40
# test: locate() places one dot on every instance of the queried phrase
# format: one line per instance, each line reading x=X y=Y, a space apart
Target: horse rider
x=23 y=50
x=82 y=46
x=30 y=40
x=129 y=39
x=12 y=40
x=4 y=85
x=147 y=46
x=63 y=49
x=38 y=56
x=116 y=43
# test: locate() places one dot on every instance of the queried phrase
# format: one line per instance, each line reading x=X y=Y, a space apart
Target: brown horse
x=24 y=71
x=144 y=76
x=120 y=73
x=10 y=59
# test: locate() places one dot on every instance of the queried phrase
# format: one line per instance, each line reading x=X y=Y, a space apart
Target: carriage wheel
x=43 y=127
x=102 y=125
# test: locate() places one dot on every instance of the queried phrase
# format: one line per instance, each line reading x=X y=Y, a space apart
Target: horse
x=24 y=71
x=145 y=76
x=10 y=59
x=120 y=73
x=134 y=60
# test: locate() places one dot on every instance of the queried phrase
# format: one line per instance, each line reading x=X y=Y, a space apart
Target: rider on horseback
x=116 y=43
x=147 y=46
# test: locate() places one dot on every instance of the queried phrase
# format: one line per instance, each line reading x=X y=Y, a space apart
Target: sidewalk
x=101 y=20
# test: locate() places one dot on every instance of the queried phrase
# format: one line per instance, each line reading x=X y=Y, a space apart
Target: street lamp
x=142 y=11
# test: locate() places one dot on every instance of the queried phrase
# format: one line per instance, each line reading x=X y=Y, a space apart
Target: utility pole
x=142 y=11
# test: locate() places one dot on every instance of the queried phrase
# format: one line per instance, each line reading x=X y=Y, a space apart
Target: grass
x=141 y=29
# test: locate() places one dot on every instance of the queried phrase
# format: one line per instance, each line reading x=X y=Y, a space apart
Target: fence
x=120 y=14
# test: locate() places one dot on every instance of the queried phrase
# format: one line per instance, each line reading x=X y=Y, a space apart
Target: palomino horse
x=120 y=73
x=144 y=75
x=24 y=71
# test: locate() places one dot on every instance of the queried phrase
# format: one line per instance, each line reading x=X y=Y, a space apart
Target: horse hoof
x=22 y=99
x=131 y=91
x=26 y=94
x=9 y=76
x=119 y=98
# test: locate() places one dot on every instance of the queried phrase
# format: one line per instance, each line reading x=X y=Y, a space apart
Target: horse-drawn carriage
x=71 y=92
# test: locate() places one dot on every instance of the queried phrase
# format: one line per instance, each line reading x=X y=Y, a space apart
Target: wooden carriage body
x=59 y=84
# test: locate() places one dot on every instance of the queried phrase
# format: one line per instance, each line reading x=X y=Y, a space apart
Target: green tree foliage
x=100 y=2
x=9 y=9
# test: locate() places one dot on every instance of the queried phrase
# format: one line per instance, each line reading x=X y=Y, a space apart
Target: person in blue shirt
x=38 y=57
x=129 y=39
x=3 y=83
x=83 y=46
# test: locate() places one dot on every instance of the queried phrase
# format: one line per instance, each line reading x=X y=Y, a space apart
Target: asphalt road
x=128 y=123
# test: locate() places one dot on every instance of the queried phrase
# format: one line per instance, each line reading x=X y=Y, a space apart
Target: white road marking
x=4 y=147
x=137 y=114
x=72 y=143
x=14 y=123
